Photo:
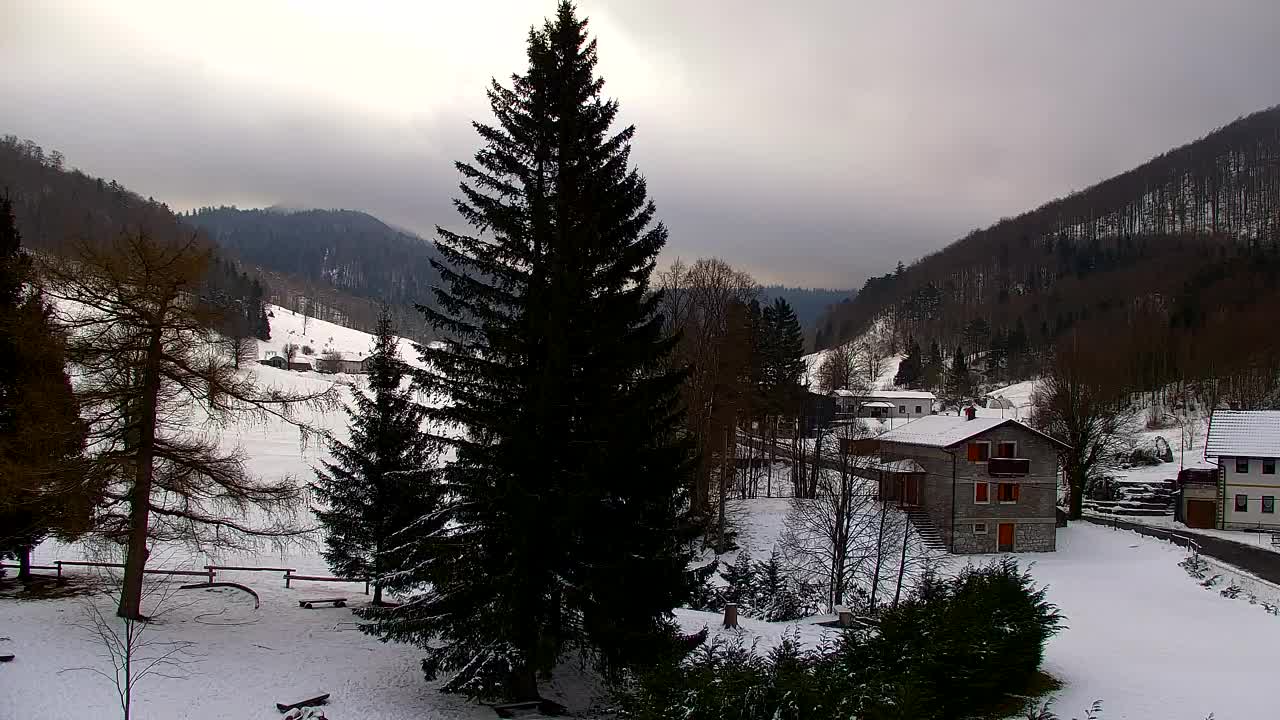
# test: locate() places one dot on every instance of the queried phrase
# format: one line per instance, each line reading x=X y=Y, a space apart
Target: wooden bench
x=336 y=602
x=289 y=576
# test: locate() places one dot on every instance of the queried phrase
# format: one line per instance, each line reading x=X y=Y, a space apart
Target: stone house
x=980 y=485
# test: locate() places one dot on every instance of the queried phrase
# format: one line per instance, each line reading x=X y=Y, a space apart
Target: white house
x=884 y=404
x=1246 y=446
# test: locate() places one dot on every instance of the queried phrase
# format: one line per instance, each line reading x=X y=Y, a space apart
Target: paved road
x=1261 y=562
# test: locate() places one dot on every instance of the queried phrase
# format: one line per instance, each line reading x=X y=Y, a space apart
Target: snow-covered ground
x=243 y=661
x=1143 y=636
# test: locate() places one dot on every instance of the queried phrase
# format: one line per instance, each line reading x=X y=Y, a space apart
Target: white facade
x=1246 y=446
x=884 y=404
x=1252 y=484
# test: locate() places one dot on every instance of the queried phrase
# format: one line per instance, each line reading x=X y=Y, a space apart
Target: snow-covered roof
x=899 y=395
x=885 y=394
x=1243 y=433
x=878 y=403
x=946 y=430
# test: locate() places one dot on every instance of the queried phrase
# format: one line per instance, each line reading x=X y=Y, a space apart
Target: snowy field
x=1143 y=637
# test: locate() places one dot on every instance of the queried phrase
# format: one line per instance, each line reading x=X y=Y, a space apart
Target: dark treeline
x=1161 y=261
x=328 y=253
x=810 y=304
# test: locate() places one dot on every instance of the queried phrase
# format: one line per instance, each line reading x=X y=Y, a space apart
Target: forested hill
x=810 y=304
x=1182 y=251
x=55 y=205
x=344 y=249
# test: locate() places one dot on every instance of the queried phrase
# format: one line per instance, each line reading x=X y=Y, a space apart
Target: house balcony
x=1008 y=467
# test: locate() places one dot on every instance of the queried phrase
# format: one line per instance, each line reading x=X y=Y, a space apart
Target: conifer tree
x=560 y=510
x=787 y=350
x=911 y=368
x=42 y=488
x=959 y=383
x=379 y=482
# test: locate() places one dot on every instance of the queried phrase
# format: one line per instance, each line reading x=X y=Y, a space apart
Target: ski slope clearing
x=288 y=327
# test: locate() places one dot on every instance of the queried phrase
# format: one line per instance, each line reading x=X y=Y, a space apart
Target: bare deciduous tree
x=132 y=652
x=839 y=370
x=1082 y=402
x=149 y=376
x=706 y=304
x=843 y=538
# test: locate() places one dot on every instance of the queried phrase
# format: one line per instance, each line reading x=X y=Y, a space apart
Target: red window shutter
x=980 y=492
x=973 y=452
x=1016 y=488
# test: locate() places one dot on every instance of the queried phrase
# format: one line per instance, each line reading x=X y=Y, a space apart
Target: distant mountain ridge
x=810 y=304
x=347 y=249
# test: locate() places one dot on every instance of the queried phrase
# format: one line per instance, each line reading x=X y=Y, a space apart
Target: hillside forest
x=1173 y=267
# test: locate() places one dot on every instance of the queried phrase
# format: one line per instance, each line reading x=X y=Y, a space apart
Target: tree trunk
x=377 y=594
x=522 y=684
x=1077 y=480
x=135 y=561
x=875 y=577
x=24 y=563
x=902 y=562
x=724 y=489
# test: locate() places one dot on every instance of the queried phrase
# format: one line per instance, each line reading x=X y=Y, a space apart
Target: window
x=1006 y=449
x=1242 y=503
x=979 y=451
x=1269 y=466
x=979 y=528
x=1268 y=504
x=1007 y=492
x=1242 y=466
x=982 y=492
x=902 y=409
x=919 y=411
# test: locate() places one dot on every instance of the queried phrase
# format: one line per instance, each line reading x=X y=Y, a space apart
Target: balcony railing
x=1008 y=467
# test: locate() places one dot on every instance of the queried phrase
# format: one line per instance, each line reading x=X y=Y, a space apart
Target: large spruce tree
x=43 y=490
x=380 y=482
x=786 y=350
x=560 y=511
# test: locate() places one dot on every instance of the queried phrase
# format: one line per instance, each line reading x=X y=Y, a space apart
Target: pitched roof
x=885 y=394
x=1243 y=433
x=899 y=395
x=944 y=431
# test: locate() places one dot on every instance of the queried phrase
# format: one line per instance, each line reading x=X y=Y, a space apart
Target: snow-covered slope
x=288 y=327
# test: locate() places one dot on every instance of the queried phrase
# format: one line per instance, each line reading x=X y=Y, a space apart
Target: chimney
x=970 y=413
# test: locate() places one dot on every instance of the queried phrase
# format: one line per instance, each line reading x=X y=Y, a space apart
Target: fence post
x=286 y=578
x=210 y=569
x=59 y=564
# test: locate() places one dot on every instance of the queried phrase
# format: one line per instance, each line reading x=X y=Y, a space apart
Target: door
x=1005 y=540
x=1201 y=513
x=911 y=490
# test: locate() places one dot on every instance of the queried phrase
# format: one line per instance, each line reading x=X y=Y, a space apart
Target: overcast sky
x=810 y=143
